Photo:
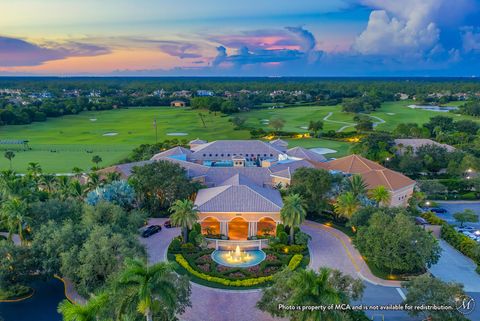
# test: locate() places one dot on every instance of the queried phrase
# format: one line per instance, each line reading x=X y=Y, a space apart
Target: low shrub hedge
x=295 y=261
x=293 y=264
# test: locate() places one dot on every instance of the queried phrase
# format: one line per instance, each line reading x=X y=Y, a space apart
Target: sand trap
x=391 y=114
x=322 y=151
x=93 y=119
x=177 y=134
x=110 y=134
x=304 y=127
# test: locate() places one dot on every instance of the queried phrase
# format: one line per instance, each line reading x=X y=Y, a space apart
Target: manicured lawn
x=60 y=144
x=341 y=147
x=295 y=117
x=393 y=113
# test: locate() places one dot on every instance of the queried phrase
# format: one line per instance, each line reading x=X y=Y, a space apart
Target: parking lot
x=471 y=230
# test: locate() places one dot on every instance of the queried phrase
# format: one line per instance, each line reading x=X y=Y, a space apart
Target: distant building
x=205 y=93
x=416 y=143
x=178 y=103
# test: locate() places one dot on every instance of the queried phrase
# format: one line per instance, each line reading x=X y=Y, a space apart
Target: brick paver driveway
x=207 y=304
x=328 y=247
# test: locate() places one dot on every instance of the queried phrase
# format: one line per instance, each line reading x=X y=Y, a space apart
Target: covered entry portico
x=239 y=226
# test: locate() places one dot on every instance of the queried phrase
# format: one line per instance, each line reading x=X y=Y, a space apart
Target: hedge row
x=293 y=264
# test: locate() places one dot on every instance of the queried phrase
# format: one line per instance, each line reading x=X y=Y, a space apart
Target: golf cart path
x=453 y=266
x=347 y=125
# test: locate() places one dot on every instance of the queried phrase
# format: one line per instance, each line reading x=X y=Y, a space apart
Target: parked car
x=167 y=224
x=152 y=229
x=438 y=210
x=420 y=221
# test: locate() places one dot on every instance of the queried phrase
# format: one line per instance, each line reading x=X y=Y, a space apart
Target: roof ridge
x=249 y=187
x=386 y=179
x=361 y=160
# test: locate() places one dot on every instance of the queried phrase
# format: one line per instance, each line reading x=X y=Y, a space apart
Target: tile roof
x=372 y=173
x=238 y=198
x=231 y=147
x=353 y=164
x=303 y=153
x=198 y=141
x=388 y=178
x=175 y=151
x=419 y=142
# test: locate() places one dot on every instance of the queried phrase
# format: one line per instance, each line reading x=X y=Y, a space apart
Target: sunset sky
x=240 y=38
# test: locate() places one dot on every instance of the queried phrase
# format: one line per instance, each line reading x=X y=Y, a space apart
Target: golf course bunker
x=110 y=134
x=391 y=114
x=304 y=127
x=177 y=134
x=93 y=119
x=322 y=151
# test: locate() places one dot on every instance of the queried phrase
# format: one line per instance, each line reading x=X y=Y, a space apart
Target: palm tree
x=13 y=216
x=77 y=171
x=76 y=189
x=183 y=214
x=380 y=194
x=151 y=288
x=87 y=312
x=112 y=176
x=346 y=205
x=63 y=187
x=311 y=288
x=356 y=185
x=34 y=170
x=9 y=155
x=93 y=181
x=96 y=159
x=48 y=182
x=293 y=213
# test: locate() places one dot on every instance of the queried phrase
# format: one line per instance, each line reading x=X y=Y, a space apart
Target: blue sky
x=247 y=38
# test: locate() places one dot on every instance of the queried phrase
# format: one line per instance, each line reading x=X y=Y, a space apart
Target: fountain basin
x=238 y=258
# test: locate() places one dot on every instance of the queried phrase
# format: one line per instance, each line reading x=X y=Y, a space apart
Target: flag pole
x=156 y=130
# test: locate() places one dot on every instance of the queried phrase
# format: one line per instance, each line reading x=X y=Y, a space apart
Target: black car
x=152 y=229
x=438 y=210
x=167 y=224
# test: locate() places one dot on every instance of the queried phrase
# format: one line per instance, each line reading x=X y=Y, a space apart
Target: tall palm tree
x=63 y=187
x=13 y=216
x=356 y=185
x=34 y=170
x=183 y=214
x=93 y=182
x=112 y=176
x=9 y=155
x=48 y=182
x=87 y=312
x=346 y=205
x=76 y=189
x=152 y=288
x=293 y=213
x=380 y=194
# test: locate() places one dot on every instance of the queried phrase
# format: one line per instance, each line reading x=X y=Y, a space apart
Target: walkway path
x=347 y=125
x=380 y=121
x=334 y=249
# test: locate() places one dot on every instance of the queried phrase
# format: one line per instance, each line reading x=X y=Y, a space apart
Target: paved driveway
x=157 y=244
x=459 y=206
x=453 y=266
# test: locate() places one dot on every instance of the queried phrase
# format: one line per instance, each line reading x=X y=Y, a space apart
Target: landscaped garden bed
x=198 y=263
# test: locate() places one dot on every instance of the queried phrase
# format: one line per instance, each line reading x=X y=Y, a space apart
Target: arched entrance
x=210 y=226
x=238 y=229
x=266 y=226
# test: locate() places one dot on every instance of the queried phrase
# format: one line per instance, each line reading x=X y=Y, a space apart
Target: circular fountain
x=238 y=258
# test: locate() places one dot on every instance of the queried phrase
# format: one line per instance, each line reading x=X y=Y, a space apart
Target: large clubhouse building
x=241 y=199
